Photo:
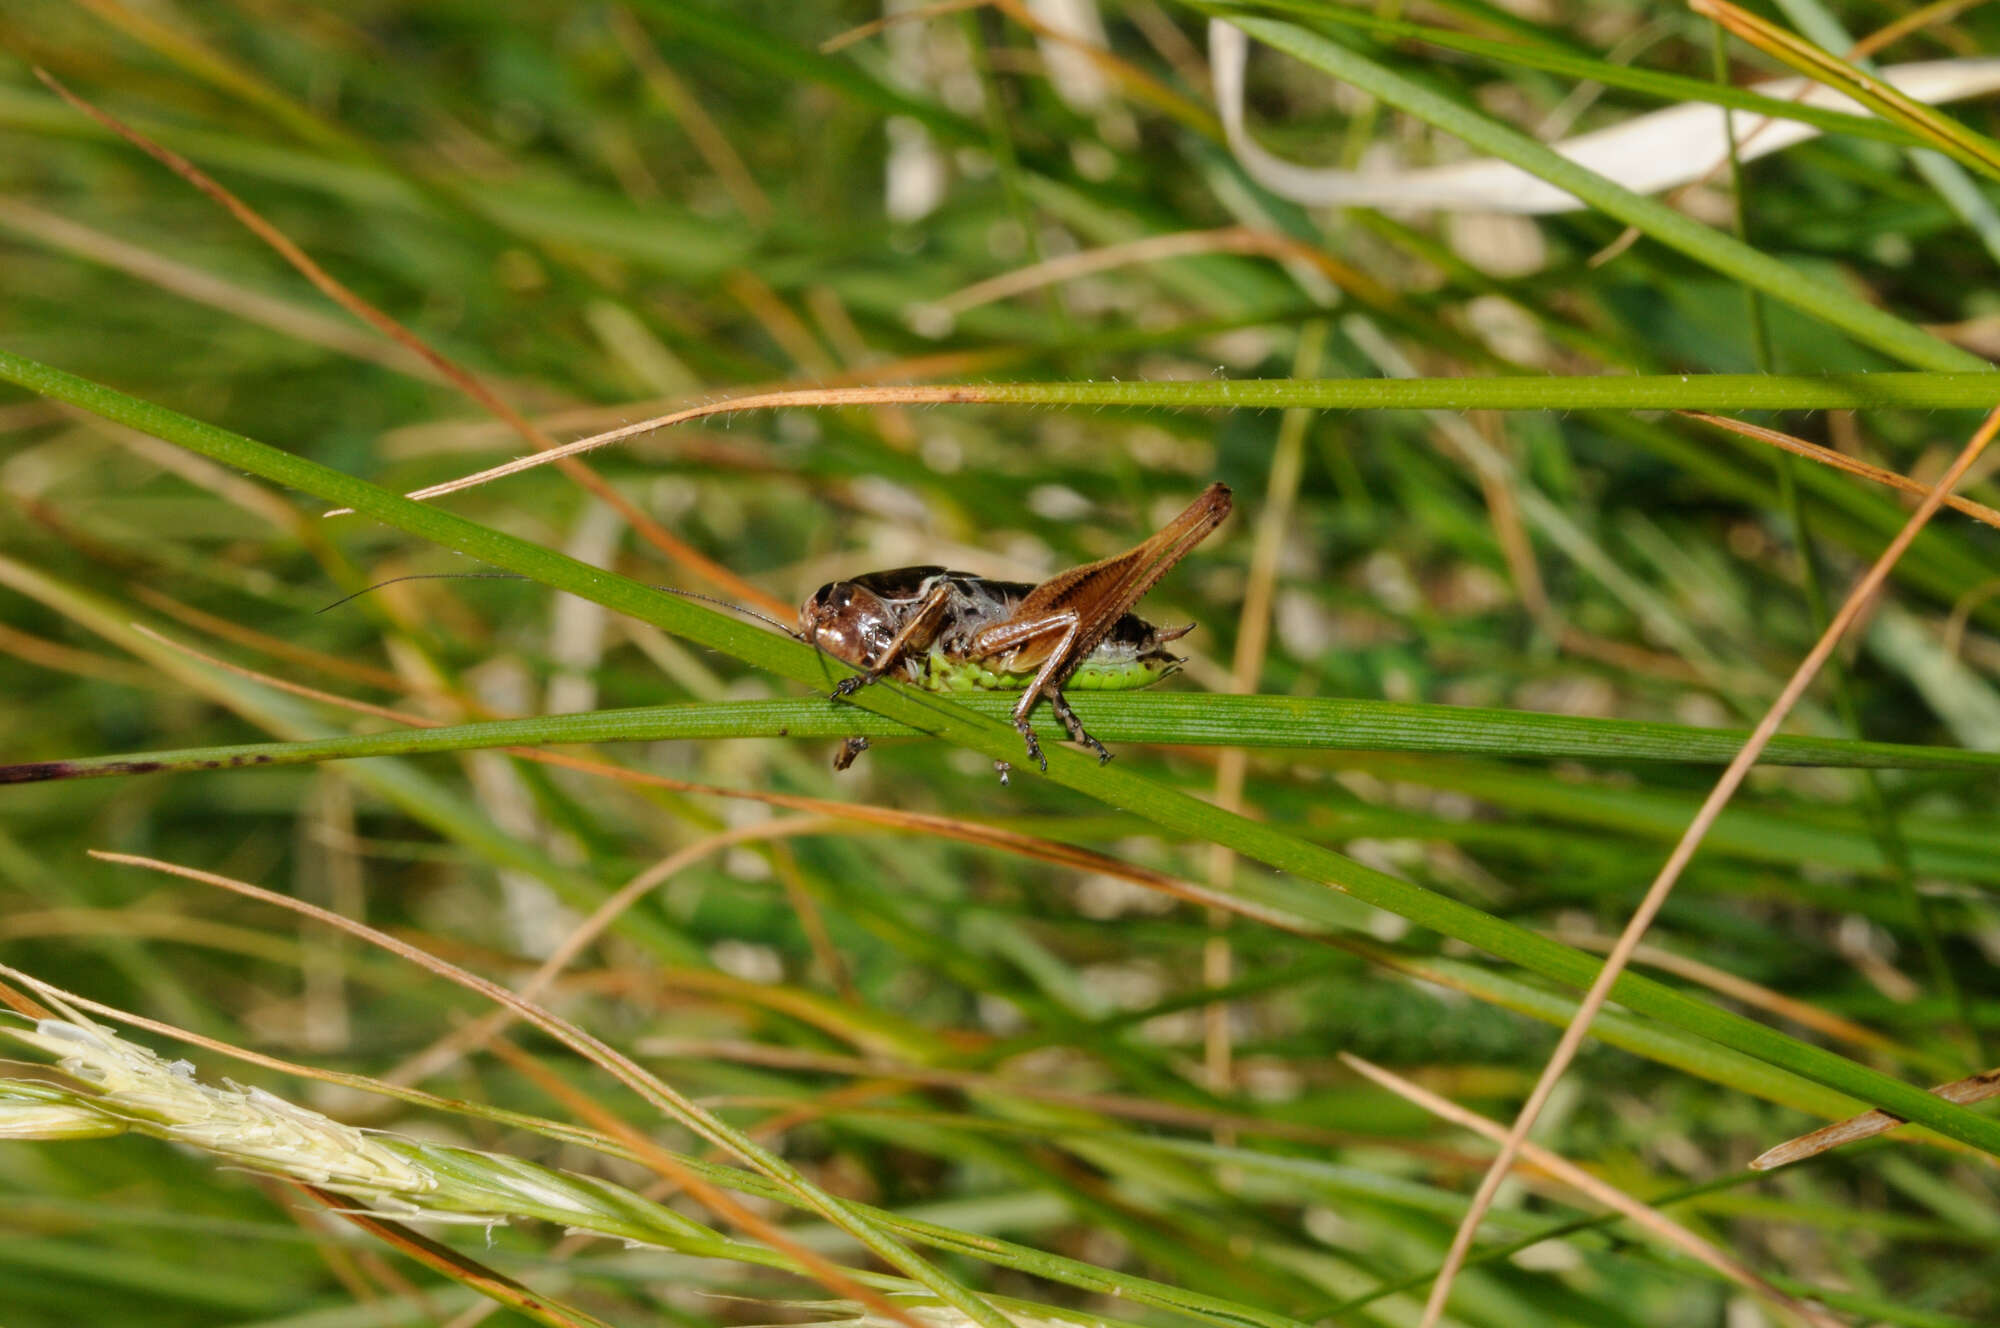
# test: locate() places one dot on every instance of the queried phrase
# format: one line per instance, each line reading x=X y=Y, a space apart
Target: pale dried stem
x=799 y=396
x=1826 y=456
x=1610 y=1196
x=695 y=121
x=1656 y=894
x=1153 y=249
x=651 y=1089
x=479 y=1032
x=1966 y=1091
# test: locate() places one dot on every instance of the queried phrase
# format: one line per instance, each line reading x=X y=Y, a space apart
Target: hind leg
x=1060 y=704
x=1048 y=681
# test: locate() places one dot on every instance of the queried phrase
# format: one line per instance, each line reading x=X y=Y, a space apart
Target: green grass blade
x=1168 y=808
x=1275 y=722
x=1893 y=336
x=1933 y=128
x=1673 y=89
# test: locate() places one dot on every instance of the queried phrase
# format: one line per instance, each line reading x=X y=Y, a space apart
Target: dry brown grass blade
x=1826 y=456
x=920 y=14
x=264 y=643
x=472 y=1036
x=1158 y=248
x=451 y=1263
x=1972 y=1088
x=1665 y=1228
x=648 y=1087
x=721 y=450
x=804 y=396
x=676 y=549
x=710 y=1195
x=23 y=1004
x=1753 y=994
x=1656 y=894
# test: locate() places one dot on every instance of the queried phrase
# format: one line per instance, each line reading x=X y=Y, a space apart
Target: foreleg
x=916 y=634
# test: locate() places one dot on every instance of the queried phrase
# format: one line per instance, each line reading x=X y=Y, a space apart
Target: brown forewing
x=1101 y=593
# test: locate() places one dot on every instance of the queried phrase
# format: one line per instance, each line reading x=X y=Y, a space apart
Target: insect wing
x=1101 y=593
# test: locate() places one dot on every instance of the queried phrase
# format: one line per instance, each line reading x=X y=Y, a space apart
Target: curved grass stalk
x=1170 y=809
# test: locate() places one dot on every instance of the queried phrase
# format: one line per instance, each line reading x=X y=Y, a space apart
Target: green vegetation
x=1068 y=1050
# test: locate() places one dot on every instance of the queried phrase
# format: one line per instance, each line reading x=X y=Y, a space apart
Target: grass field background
x=1491 y=613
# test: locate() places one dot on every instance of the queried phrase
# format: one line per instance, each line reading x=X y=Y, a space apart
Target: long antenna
x=514 y=576
x=733 y=608
x=419 y=576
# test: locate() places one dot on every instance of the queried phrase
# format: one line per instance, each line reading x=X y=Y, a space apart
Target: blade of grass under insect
x=935 y=714
x=1190 y=719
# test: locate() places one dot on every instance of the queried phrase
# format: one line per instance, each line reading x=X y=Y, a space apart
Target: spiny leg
x=1027 y=732
x=850 y=749
x=1060 y=704
x=1060 y=664
x=1004 y=642
x=1049 y=681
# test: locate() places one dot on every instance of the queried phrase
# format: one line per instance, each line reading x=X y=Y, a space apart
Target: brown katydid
x=950 y=631
x=947 y=631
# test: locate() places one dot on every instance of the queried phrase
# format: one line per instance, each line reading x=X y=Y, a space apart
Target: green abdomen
x=1101 y=671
